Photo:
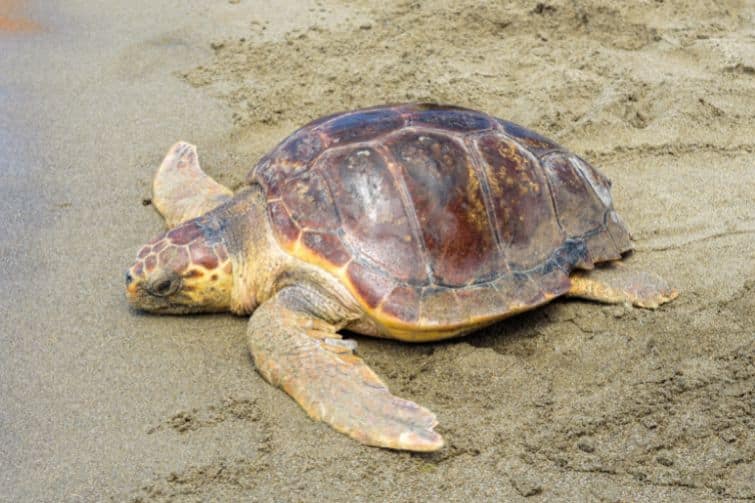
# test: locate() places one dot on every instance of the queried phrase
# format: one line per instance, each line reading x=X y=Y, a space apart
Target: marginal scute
x=451 y=119
x=402 y=303
x=619 y=232
x=361 y=125
x=301 y=147
x=273 y=174
x=371 y=285
x=480 y=300
x=448 y=201
x=531 y=140
x=553 y=280
x=601 y=245
x=441 y=306
x=518 y=289
x=309 y=199
x=281 y=221
x=597 y=181
x=327 y=246
x=289 y=159
x=572 y=252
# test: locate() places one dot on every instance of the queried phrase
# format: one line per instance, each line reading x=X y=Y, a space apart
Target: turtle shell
x=438 y=219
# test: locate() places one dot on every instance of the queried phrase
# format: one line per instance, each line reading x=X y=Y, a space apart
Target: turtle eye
x=163 y=288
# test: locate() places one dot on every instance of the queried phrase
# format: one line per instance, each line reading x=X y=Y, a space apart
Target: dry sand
x=574 y=401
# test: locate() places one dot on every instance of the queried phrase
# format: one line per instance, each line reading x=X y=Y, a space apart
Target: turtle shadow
x=509 y=336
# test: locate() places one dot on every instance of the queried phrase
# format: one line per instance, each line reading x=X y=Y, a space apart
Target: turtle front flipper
x=181 y=190
x=301 y=353
x=616 y=284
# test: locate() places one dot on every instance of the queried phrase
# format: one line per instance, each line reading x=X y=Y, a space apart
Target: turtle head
x=184 y=270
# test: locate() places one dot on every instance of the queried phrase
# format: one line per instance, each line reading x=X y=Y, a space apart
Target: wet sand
x=575 y=401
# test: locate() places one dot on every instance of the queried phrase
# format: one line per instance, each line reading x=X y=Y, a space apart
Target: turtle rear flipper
x=616 y=284
x=304 y=355
x=181 y=190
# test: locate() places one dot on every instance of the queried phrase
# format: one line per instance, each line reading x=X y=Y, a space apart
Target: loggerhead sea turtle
x=411 y=222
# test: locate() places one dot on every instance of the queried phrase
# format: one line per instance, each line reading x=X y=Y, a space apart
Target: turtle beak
x=130 y=287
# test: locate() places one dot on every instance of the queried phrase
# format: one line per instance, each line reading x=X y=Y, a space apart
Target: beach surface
x=573 y=401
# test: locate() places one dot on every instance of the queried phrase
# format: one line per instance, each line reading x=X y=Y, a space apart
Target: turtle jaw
x=143 y=294
x=197 y=290
x=176 y=299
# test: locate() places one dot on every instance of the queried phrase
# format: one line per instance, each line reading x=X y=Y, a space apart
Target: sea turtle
x=411 y=222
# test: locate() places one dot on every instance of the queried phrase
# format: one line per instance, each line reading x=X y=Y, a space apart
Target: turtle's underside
x=416 y=222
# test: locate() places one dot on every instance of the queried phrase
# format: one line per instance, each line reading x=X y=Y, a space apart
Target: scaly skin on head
x=221 y=261
x=186 y=269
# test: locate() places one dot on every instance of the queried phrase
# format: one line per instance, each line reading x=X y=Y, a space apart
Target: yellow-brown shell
x=438 y=219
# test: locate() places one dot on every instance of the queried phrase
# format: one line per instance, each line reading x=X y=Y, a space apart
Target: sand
x=574 y=401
